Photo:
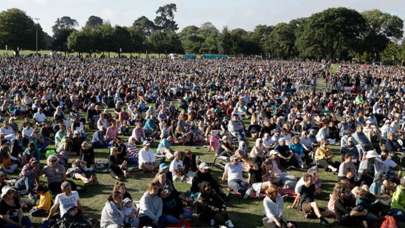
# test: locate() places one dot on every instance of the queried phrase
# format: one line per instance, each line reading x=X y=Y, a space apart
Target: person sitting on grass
x=273 y=208
x=138 y=133
x=7 y=163
x=398 y=202
x=177 y=167
x=323 y=157
x=117 y=165
x=347 y=214
x=347 y=166
x=130 y=213
x=79 y=171
x=11 y=214
x=151 y=206
x=146 y=158
x=41 y=209
x=173 y=209
x=203 y=174
x=65 y=201
x=233 y=174
x=29 y=177
x=55 y=174
x=112 y=214
x=209 y=206
x=132 y=152
x=306 y=200
x=99 y=140
x=285 y=156
x=87 y=155
x=164 y=148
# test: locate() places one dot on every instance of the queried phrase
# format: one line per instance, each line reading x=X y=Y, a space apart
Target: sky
x=244 y=14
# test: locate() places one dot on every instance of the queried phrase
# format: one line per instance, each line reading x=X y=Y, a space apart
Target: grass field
x=244 y=213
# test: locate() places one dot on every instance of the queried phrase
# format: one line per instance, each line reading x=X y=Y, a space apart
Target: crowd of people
x=259 y=120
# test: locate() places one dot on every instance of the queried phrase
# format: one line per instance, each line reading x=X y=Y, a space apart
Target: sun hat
x=6 y=189
x=372 y=154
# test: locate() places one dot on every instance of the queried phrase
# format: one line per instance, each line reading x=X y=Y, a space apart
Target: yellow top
x=45 y=201
x=322 y=153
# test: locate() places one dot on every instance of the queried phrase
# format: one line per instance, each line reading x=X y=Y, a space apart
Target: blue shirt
x=297 y=149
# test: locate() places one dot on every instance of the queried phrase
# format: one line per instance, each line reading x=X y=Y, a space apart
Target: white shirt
x=67 y=202
x=176 y=165
x=235 y=171
x=27 y=132
x=7 y=131
x=273 y=210
x=145 y=156
x=298 y=185
x=39 y=117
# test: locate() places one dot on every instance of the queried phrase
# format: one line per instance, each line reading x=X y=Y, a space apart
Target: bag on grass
x=389 y=222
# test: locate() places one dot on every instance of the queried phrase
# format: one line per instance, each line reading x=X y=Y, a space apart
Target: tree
x=208 y=29
x=333 y=33
x=165 y=42
x=144 y=25
x=138 y=40
x=165 y=17
x=17 y=30
x=211 y=44
x=391 y=54
x=94 y=21
x=211 y=36
x=382 y=27
x=64 y=23
x=121 y=39
x=281 y=41
x=62 y=29
x=226 y=41
x=191 y=39
x=260 y=34
x=104 y=38
x=82 y=41
x=403 y=52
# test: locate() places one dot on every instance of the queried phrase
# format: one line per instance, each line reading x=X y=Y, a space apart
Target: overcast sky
x=232 y=13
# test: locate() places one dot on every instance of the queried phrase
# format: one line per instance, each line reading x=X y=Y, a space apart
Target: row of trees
x=335 y=33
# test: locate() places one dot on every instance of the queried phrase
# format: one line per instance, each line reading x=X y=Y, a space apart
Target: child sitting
x=130 y=213
x=44 y=203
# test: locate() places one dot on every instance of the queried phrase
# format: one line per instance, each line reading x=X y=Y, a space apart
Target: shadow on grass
x=245 y=219
x=92 y=190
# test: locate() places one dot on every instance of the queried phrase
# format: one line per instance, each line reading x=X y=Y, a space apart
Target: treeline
x=335 y=33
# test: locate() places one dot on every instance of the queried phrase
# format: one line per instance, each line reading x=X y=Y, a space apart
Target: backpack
x=389 y=222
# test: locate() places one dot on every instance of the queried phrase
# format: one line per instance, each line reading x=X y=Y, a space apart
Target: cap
x=163 y=166
x=146 y=143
